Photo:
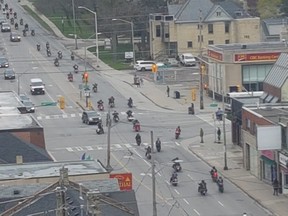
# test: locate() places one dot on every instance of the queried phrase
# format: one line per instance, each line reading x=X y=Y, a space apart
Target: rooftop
x=49 y=169
x=9 y=99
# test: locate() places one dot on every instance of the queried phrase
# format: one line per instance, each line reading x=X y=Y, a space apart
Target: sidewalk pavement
x=212 y=153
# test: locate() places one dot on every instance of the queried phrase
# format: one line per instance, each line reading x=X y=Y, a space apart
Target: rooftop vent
x=16 y=192
x=244 y=46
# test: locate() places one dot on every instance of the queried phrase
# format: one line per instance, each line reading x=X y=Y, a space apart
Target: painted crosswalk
x=114 y=147
x=75 y=115
x=208 y=118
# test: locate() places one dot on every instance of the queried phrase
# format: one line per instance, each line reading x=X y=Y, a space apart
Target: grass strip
x=37 y=18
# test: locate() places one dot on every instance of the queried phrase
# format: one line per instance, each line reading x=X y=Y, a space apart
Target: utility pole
x=202 y=66
x=108 y=124
x=224 y=126
x=153 y=177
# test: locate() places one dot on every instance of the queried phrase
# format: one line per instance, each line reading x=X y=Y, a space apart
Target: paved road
x=68 y=139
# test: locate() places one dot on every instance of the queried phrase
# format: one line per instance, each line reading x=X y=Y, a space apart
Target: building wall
x=233 y=75
x=272 y=90
x=284 y=92
x=34 y=136
x=246 y=30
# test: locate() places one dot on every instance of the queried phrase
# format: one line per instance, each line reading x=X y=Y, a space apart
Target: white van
x=37 y=86
x=187 y=59
x=142 y=65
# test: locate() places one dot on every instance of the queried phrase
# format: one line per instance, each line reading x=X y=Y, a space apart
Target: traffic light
x=203 y=68
x=154 y=68
x=61 y=102
x=85 y=77
x=239 y=88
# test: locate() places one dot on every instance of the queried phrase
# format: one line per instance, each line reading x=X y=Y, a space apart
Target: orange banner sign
x=248 y=57
x=215 y=55
x=124 y=180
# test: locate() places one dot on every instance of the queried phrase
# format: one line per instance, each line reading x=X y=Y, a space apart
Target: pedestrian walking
x=168 y=91
x=141 y=81
x=219 y=134
x=275 y=187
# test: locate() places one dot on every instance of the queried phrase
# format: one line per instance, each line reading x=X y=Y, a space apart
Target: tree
x=268 y=8
x=284 y=8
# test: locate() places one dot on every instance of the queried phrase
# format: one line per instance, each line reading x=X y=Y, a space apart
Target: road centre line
x=196 y=211
x=178 y=144
x=221 y=203
x=190 y=177
x=177 y=191
x=142 y=158
x=167 y=182
x=186 y=201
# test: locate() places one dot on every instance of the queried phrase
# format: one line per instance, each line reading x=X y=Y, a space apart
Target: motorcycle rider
x=16 y=25
x=7 y=15
x=33 y=32
x=24 y=32
x=178 y=130
x=111 y=101
x=202 y=185
x=138 y=138
x=130 y=102
x=158 y=144
x=148 y=151
x=56 y=61
x=48 y=52
x=21 y=21
x=47 y=45
x=95 y=87
x=173 y=177
x=100 y=127
x=38 y=47
x=115 y=115
x=59 y=54
x=12 y=21
x=26 y=27
x=100 y=103
x=70 y=76
x=72 y=56
x=129 y=113
x=15 y=15
x=213 y=170
x=75 y=67
x=176 y=166
x=220 y=180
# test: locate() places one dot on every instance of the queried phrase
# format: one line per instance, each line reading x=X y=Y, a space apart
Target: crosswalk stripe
x=69 y=149
x=128 y=145
x=39 y=117
x=89 y=148
x=65 y=116
x=73 y=115
x=117 y=145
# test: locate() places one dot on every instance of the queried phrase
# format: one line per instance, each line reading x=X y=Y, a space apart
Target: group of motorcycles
x=202 y=188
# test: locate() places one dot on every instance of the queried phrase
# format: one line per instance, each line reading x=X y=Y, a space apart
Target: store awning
x=267 y=160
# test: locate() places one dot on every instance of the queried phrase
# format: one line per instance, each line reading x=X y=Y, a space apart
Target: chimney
x=19 y=159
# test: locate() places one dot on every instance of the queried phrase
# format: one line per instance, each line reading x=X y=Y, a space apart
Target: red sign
x=268 y=154
x=256 y=57
x=124 y=180
x=215 y=55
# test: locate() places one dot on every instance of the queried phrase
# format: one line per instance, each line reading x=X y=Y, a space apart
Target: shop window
x=227 y=27
x=189 y=44
x=210 y=42
x=158 y=31
x=210 y=28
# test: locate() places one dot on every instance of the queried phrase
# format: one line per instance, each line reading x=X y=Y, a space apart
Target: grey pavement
x=212 y=153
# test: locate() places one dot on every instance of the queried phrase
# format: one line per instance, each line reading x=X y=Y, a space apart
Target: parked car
x=187 y=59
x=15 y=37
x=4 y=62
x=5 y=27
x=143 y=65
x=171 y=62
x=9 y=74
x=91 y=117
x=29 y=106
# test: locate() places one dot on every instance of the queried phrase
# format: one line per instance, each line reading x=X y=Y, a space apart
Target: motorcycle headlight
x=90 y=119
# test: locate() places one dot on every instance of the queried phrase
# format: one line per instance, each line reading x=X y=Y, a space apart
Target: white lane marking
x=89 y=148
x=64 y=116
x=196 y=211
x=70 y=149
x=158 y=174
x=39 y=117
x=128 y=145
x=176 y=191
x=53 y=158
x=145 y=144
x=142 y=174
x=73 y=115
x=99 y=148
x=79 y=148
x=47 y=117
x=186 y=201
x=167 y=182
x=117 y=145
x=149 y=174
x=177 y=143
x=220 y=203
x=190 y=177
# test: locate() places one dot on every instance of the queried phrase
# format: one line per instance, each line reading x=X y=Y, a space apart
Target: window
x=166 y=35
x=227 y=27
x=199 y=26
x=210 y=42
x=189 y=44
x=158 y=31
x=247 y=123
x=218 y=13
x=199 y=38
x=210 y=28
x=227 y=41
x=246 y=36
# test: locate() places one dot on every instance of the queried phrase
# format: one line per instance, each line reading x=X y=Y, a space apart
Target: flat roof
x=49 y=169
x=9 y=99
x=276 y=113
x=250 y=46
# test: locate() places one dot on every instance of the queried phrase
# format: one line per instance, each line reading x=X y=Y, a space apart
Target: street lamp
x=74 y=26
x=132 y=35
x=96 y=32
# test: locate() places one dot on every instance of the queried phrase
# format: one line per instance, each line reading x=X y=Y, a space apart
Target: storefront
x=283 y=161
x=268 y=166
x=239 y=67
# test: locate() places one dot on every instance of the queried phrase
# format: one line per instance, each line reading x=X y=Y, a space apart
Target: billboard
x=124 y=180
x=269 y=137
x=252 y=57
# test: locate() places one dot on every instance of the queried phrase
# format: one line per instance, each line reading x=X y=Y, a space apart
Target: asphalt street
x=68 y=139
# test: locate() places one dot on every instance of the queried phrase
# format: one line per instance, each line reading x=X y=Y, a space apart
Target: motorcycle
x=95 y=87
x=176 y=166
x=220 y=186
x=72 y=57
x=130 y=103
x=214 y=176
x=101 y=106
x=174 y=181
x=56 y=63
x=75 y=68
x=15 y=15
x=47 y=46
x=115 y=117
x=202 y=190
x=148 y=153
x=138 y=141
x=33 y=32
x=16 y=26
x=136 y=127
x=48 y=53
x=24 y=33
x=70 y=77
x=21 y=21
x=130 y=116
x=12 y=21
x=177 y=133
x=60 y=55
x=100 y=130
x=26 y=27
x=38 y=47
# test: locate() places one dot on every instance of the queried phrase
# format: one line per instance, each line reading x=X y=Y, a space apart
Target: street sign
x=124 y=180
x=213 y=105
x=48 y=103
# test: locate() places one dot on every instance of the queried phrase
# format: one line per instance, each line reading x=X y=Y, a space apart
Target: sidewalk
x=154 y=94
